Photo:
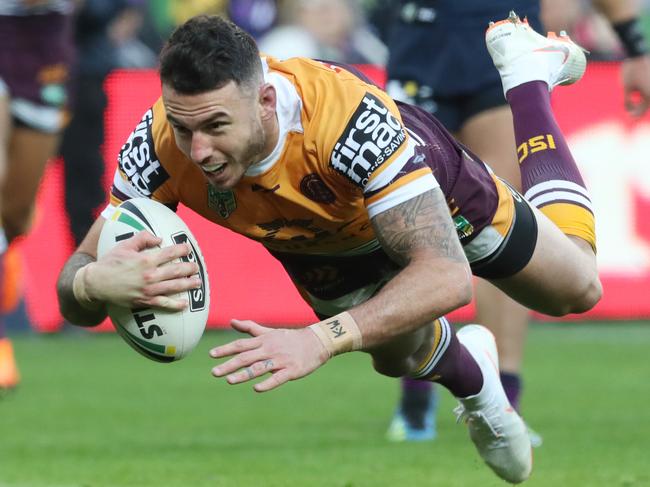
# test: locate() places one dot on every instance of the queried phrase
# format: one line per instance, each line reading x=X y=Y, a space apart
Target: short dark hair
x=206 y=53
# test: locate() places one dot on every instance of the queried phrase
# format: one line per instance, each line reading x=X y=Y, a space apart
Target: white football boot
x=498 y=432
x=522 y=55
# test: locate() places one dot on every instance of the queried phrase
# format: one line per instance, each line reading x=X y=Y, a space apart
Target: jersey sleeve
x=140 y=172
x=364 y=140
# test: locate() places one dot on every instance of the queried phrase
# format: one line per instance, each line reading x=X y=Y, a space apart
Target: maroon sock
x=458 y=370
x=543 y=152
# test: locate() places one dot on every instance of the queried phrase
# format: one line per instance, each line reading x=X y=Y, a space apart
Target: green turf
x=90 y=412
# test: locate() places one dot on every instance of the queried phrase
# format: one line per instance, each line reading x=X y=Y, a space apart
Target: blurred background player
x=438 y=60
x=36 y=50
x=106 y=39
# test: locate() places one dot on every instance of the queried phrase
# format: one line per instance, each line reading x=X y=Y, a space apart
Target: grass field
x=92 y=413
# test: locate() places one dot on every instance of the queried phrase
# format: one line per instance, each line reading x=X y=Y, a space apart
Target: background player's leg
x=29 y=151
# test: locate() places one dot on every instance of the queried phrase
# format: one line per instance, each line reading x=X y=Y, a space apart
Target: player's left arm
x=624 y=18
x=418 y=234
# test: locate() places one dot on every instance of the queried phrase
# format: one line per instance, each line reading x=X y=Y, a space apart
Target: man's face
x=220 y=130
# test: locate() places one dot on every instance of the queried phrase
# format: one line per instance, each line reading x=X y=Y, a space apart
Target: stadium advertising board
x=612 y=150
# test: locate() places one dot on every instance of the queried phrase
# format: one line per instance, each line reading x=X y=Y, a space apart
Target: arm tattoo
x=68 y=304
x=422 y=222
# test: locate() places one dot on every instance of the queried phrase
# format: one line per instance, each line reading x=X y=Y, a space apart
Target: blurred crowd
x=353 y=31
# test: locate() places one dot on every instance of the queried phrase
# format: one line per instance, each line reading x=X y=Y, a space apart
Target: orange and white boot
x=521 y=55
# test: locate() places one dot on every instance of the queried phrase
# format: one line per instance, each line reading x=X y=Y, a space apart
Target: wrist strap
x=80 y=292
x=338 y=334
x=631 y=36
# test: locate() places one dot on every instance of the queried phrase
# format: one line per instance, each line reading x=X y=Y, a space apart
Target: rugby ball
x=160 y=335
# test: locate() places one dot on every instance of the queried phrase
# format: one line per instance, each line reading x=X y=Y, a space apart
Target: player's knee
x=584 y=296
x=590 y=295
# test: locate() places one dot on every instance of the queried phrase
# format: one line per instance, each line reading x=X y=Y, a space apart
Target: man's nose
x=200 y=148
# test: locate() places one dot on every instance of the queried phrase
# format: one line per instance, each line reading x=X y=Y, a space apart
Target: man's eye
x=216 y=126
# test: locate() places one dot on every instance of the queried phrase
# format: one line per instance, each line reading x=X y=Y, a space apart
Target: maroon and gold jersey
x=344 y=155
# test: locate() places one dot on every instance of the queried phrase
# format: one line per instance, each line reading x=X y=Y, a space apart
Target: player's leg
x=415 y=417
x=466 y=363
x=489 y=134
x=561 y=276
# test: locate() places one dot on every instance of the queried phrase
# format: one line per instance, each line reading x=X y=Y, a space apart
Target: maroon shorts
x=495 y=225
x=36 y=53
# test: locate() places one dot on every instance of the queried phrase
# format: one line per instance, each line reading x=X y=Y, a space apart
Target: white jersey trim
x=391 y=170
x=484 y=244
x=415 y=188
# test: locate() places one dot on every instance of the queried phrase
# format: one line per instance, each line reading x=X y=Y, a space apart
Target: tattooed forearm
x=422 y=222
x=68 y=304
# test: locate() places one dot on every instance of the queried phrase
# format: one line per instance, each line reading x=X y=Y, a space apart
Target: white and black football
x=163 y=336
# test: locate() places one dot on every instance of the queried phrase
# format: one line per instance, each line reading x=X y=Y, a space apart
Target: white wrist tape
x=80 y=292
x=338 y=334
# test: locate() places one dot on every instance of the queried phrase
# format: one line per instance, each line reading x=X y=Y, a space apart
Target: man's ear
x=267 y=100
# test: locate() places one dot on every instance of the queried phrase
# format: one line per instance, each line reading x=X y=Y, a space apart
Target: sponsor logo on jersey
x=197 y=296
x=370 y=138
x=223 y=202
x=314 y=188
x=138 y=159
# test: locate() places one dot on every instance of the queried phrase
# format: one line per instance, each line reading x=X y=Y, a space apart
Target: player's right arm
x=125 y=276
x=83 y=314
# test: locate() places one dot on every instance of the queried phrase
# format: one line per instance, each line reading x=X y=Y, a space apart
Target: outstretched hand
x=287 y=354
x=135 y=273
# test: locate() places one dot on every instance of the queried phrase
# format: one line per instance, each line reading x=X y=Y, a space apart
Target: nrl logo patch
x=463 y=227
x=223 y=202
